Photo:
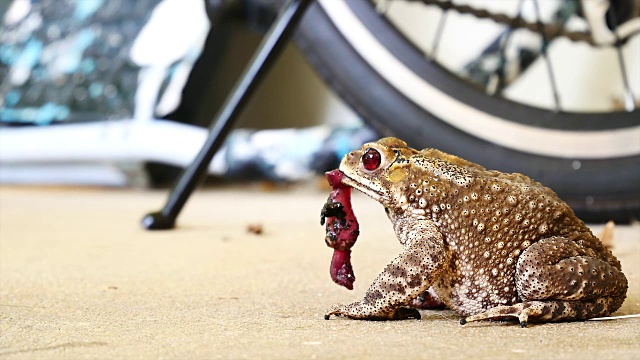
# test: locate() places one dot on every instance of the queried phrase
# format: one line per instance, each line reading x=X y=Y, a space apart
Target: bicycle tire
x=598 y=189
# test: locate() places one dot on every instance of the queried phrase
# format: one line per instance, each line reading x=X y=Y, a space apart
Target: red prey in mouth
x=341 y=229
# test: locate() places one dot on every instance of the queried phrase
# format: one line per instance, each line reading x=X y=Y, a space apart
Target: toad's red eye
x=371 y=159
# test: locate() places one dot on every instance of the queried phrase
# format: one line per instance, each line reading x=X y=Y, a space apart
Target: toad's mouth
x=362 y=187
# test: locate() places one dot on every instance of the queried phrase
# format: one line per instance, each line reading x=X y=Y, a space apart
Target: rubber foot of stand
x=158 y=221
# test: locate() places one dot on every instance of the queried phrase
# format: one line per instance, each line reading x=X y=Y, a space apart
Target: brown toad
x=491 y=245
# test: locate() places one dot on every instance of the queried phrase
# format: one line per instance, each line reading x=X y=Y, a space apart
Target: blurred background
x=120 y=92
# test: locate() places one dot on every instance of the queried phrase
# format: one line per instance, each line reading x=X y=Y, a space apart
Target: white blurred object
x=17 y=11
x=79 y=151
x=173 y=36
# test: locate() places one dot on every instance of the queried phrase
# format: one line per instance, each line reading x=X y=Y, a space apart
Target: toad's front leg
x=408 y=276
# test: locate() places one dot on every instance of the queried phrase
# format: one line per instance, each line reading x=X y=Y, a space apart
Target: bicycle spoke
x=629 y=102
x=497 y=80
x=552 y=79
x=436 y=40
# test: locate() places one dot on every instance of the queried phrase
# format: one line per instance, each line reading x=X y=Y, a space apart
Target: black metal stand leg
x=269 y=48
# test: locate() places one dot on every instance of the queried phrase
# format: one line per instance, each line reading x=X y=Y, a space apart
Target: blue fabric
x=68 y=61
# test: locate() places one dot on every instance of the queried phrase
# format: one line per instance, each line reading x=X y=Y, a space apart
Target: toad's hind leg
x=550 y=310
x=558 y=280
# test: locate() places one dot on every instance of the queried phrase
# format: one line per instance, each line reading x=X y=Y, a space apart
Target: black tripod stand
x=267 y=52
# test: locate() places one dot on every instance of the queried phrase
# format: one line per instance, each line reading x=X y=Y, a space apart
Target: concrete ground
x=79 y=278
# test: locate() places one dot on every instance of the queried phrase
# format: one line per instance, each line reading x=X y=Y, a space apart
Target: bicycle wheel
x=592 y=160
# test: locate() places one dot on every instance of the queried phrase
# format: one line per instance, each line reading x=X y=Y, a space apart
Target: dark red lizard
x=342 y=229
